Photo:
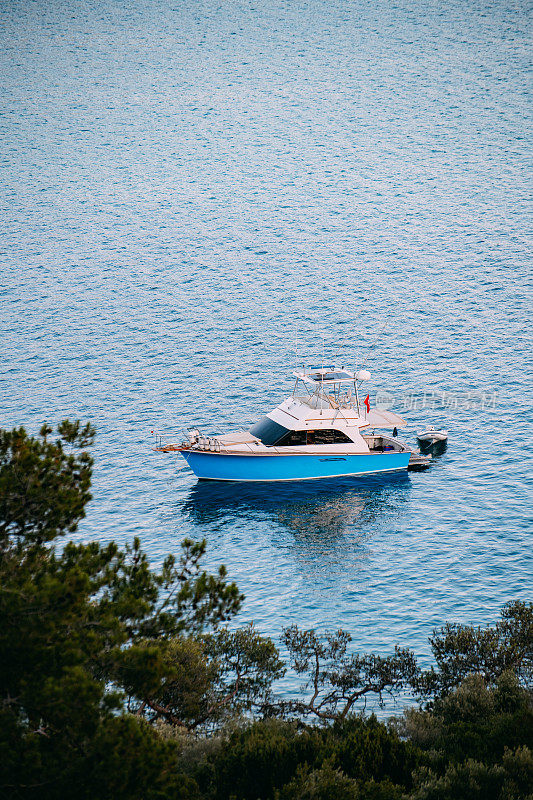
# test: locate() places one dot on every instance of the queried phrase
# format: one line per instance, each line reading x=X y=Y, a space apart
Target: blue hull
x=224 y=467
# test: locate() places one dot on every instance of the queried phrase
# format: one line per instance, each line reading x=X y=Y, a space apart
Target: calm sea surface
x=192 y=191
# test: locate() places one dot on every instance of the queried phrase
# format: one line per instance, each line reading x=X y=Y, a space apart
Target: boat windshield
x=268 y=431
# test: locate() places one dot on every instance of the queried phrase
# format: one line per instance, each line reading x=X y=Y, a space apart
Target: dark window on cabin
x=294 y=438
x=268 y=431
x=341 y=437
x=329 y=436
x=272 y=433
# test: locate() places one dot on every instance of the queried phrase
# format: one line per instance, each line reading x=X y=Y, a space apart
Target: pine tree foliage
x=490 y=651
x=336 y=679
x=89 y=629
x=121 y=680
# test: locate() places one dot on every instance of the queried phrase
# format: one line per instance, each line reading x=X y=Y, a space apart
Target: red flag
x=366 y=401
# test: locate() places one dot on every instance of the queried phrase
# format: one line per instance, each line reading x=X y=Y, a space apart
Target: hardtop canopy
x=326 y=375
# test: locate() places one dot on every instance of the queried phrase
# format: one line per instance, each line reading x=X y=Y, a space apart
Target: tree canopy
x=489 y=651
x=122 y=679
x=89 y=631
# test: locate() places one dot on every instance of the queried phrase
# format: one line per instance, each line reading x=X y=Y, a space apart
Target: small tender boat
x=317 y=432
x=431 y=439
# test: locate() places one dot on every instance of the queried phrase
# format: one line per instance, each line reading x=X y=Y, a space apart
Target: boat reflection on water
x=310 y=509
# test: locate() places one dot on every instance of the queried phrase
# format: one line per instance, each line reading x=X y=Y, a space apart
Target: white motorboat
x=318 y=432
x=431 y=436
x=432 y=440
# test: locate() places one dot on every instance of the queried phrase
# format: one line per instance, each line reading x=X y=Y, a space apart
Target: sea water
x=198 y=197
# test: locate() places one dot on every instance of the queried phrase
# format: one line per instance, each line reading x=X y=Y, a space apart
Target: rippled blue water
x=191 y=189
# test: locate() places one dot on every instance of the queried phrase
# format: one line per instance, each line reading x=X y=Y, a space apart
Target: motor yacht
x=321 y=431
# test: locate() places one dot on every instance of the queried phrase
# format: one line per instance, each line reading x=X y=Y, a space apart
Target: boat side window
x=295 y=438
x=328 y=436
x=341 y=437
x=272 y=433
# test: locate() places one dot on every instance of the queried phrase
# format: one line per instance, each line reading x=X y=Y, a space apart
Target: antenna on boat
x=322 y=376
x=337 y=354
x=373 y=345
